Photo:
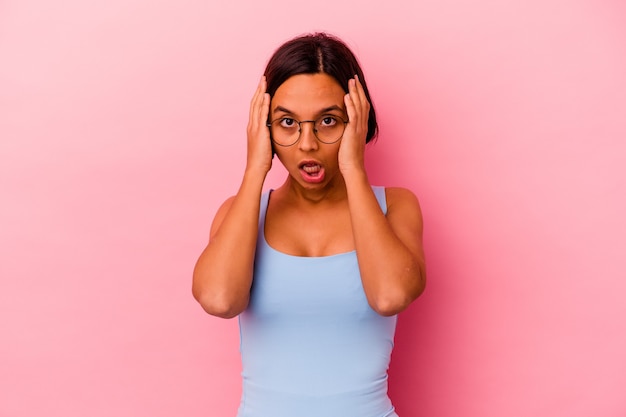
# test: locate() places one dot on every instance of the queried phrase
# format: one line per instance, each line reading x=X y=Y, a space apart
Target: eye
x=287 y=122
x=328 y=121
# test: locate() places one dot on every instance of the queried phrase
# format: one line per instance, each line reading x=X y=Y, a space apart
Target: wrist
x=354 y=174
x=257 y=168
x=255 y=174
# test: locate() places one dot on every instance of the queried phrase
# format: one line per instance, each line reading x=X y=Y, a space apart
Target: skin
x=335 y=214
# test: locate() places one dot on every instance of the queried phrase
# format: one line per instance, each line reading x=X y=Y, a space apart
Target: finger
x=265 y=109
x=262 y=102
x=253 y=106
x=256 y=94
x=354 y=92
x=361 y=103
x=359 y=98
x=350 y=109
x=359 y=113
x=364 y=102
x=354 y=129
x=257 y=99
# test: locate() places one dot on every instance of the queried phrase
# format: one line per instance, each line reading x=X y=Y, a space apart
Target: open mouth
x=311 y=169
x=312 y=172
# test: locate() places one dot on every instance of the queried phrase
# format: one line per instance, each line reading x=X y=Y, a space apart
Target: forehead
x=308 y=93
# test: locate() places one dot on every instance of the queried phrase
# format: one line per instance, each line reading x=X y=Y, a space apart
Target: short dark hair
x=313 y=54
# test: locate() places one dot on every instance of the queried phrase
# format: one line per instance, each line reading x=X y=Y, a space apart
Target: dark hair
x=313 y=54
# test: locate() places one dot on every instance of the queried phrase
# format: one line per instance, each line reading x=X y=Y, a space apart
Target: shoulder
x=222 y=211
x=398 y=196
x=225 y=206
x=403 y=206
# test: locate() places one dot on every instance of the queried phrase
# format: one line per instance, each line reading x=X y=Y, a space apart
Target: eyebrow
x=279 y=109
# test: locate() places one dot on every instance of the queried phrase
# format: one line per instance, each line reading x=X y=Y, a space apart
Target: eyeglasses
x=285 y=131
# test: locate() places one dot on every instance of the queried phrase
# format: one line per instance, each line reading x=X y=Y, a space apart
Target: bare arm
x=389 y=249
x=222 y=276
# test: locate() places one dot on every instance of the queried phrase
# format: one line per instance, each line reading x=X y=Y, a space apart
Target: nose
x=308 y=140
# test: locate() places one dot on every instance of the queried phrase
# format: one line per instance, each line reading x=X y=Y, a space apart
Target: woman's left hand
x=352 y=149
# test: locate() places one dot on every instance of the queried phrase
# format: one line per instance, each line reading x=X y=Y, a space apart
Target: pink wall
x=122 y=129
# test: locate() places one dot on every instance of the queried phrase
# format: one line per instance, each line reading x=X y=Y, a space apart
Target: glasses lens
x=329 y=129
x=285 y=131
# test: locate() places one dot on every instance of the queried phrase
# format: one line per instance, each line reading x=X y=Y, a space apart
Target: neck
x=332 y=192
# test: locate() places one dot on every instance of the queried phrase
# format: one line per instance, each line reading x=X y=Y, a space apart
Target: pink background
x=122 y=128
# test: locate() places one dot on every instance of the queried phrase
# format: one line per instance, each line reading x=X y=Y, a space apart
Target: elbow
x=390 y=306
x=395 y=300
x=219 y=305
x=223 y=311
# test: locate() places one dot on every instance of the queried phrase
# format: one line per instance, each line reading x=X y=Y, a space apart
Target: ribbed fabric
x=311 y=346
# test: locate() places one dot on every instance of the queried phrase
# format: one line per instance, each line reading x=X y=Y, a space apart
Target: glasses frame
x=339 y=119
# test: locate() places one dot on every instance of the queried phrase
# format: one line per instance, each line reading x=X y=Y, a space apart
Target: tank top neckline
x=276 y=251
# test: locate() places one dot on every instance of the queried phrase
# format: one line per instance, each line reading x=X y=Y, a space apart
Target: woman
x=318 y=269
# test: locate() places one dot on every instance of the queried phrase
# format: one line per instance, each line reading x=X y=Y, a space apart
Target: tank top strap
x=381 y=196
x=265 y=198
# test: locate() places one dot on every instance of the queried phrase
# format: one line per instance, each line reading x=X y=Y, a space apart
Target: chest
x=309 y=234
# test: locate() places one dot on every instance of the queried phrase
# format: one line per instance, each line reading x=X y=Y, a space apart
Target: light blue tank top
x=311 y=345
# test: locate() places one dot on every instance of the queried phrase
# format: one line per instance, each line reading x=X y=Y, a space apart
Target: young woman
x=317 y=269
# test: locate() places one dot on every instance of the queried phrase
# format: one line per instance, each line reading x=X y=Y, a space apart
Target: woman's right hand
x=259 y=143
